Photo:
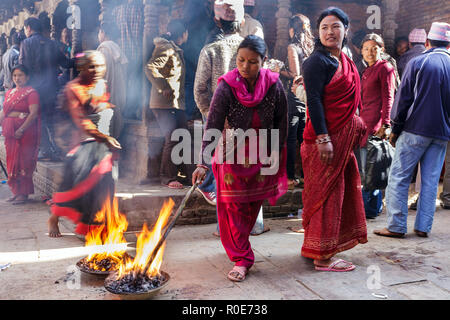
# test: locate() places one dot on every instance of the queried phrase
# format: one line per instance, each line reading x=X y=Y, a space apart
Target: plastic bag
x=379 y=158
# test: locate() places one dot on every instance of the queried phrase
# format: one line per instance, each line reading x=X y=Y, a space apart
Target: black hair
x=417 y=43
x=45 y=21
x=400 y=39
x=373 y=37
x=22 y=68
x=249 y=9
x=34 y=23
x=256 y=44
x=17 y=38
x=357 y=38
x=302 y=33
x=110 y=30
x=175 y=30
x=439 y=43
x=338 y=13
x=230 y=27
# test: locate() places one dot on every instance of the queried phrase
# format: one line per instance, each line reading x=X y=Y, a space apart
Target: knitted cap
x=229 y=10
x=439 y=31
x=418 y=36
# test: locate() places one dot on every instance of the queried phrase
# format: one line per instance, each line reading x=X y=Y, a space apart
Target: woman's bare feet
x=53 y=229
x=297 y=229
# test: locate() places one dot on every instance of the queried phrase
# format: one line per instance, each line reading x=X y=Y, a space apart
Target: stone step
x=142 y=203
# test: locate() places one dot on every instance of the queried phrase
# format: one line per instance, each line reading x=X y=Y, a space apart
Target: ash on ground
x=127 y=285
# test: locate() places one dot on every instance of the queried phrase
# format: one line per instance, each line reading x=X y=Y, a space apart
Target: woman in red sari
x=333 y=213
x=20 y=121
x=250 y=99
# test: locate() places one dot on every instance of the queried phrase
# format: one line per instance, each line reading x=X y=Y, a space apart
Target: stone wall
x=420 y=14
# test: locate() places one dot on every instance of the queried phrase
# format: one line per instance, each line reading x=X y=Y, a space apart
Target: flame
x=146 y=243
x=107 y=240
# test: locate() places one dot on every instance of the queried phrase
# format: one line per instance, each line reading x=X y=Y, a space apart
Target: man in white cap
x=251 y=25
x=216 y=59
x=420 y=132
x=417 y=39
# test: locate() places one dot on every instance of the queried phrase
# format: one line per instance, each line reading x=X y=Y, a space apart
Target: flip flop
x=19 y=202
x=332 y=266
x=266 y=229
x=11 y=199
x=172 y=183
x=236 y=275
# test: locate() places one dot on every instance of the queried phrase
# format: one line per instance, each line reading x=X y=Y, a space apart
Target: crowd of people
x=331 y=97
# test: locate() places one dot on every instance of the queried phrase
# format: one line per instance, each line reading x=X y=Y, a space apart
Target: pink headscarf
x=266 y=79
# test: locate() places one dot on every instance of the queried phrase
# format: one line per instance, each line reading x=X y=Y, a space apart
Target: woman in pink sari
x=20 y=121
x=251 y=99
x=333 y=213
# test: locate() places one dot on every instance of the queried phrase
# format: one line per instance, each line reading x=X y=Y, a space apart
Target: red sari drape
x=21 y=154
x=333 y=212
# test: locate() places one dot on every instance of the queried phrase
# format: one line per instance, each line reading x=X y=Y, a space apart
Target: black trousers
x=169 y=120
x=296 y=126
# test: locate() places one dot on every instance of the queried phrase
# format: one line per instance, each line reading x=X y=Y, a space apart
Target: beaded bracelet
x=325 y=139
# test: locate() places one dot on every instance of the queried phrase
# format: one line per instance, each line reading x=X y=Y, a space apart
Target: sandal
x=266 y=229
x=237 y=274
x=174 y=185
x=19 y=202
x=332 y=266
x=11 y=199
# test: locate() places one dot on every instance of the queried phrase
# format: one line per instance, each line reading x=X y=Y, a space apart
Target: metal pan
x=137 y=296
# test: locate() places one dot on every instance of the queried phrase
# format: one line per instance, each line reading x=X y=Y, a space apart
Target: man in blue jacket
x=420 y=132
x=42 y=57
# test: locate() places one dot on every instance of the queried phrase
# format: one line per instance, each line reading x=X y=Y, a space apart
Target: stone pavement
x=410 y=268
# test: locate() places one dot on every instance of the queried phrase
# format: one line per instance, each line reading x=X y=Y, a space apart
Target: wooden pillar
x=390 y=9
x=283 y=15
x=77 y=41
x=106 y=7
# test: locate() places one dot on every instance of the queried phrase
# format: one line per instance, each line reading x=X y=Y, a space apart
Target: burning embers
x=106 y=241
x=127 y=275
x=142 y=274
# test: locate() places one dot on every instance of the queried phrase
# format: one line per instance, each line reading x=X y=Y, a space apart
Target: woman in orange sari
x=333 y=213
x=20 y=121
x=88 y=181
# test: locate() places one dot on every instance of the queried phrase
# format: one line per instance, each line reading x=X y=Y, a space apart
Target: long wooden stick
x=168 y=229
x=3 y=169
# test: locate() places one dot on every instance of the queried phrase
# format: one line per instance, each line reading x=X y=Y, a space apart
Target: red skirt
x=333 y=213
x=21 y=155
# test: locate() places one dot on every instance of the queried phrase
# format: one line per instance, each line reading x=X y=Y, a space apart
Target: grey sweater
x=215 y=60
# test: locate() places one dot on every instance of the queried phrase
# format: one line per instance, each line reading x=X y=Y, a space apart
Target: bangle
x=325 y=139
x=202 y=166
